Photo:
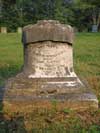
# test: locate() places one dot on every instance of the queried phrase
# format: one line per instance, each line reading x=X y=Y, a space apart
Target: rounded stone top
x=47 y=30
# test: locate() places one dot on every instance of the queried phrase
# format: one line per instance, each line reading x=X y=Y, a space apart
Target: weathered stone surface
x=48 y=72
x=48 y=59
x=45 y=86
x=48 y=30
x=38 y=91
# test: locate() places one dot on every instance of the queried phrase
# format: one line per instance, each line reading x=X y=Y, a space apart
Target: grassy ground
x=11 y=55
x=86 y=64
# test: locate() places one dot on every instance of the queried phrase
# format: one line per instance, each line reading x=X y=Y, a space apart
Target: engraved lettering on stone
x=51 y=59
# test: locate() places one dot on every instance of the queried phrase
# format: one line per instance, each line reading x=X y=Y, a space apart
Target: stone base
x=67 y=101
x=22 y=93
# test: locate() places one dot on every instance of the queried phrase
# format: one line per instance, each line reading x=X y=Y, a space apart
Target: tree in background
x=9 y=15
x=62 y=10
x=95 y=13
x=92 y=10
x=82 y=14
x=0 y=8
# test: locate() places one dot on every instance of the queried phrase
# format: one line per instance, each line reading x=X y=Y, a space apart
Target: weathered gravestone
x=94 y=28
x=48 y=71
x=3 y=30
x=19 y=30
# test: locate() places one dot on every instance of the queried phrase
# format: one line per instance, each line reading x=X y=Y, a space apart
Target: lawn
x=11 y=55
x=87 y=66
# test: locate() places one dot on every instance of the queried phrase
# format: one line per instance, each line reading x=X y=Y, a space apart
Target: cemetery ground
x=87 y=66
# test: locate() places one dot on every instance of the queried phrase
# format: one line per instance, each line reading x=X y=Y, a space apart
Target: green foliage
x=67 y=111
x=54 y=103
x=19 y=13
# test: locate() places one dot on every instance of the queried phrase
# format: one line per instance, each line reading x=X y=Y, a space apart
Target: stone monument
x=48 y=72
x=3 y=30
x=19 y=30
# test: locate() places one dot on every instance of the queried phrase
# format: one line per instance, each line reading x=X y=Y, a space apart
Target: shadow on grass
x=14 y=124
x=9 y=71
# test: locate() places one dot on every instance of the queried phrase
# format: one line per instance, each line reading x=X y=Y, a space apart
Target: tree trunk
x=96 y=21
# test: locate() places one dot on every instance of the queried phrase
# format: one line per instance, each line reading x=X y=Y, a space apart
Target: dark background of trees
x=84 y=15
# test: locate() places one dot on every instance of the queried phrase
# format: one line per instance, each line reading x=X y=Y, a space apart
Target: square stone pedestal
x=26 y=94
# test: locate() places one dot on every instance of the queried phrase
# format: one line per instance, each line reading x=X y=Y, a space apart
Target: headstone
x=94 y=28
x=75 y=29
x=19 y=30
x=3 y=30
x=48 y=72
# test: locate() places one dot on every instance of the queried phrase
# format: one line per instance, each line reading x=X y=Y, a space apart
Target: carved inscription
x=51 y=60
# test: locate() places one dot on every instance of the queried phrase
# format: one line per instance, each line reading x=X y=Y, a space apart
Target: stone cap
x=47 y=30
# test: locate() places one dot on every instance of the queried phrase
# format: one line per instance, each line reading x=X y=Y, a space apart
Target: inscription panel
x=50 y=59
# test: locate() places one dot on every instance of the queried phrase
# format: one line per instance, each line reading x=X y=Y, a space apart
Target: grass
x=87 y=54
x=86 y=64
x=11 y=55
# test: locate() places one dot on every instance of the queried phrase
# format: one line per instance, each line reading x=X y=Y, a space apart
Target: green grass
x=11 y=55
x=87 y=54
x=86 y=64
